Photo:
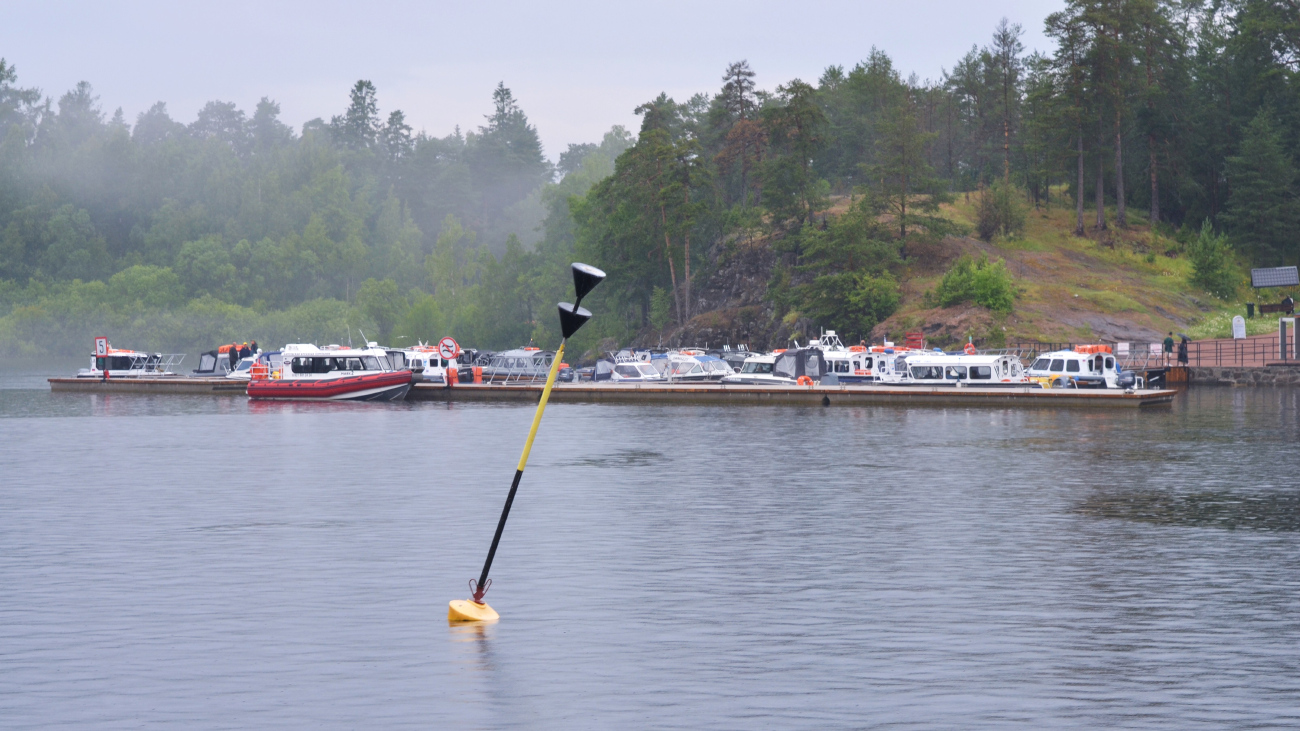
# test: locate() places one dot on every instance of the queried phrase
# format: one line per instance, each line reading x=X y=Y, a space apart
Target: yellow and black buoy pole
x=572 y=317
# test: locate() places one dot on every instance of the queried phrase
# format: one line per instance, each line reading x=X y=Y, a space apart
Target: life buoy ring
x=804 y=381
x=970 y=349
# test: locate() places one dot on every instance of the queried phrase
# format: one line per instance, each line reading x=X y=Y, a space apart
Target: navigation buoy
x=572 y=317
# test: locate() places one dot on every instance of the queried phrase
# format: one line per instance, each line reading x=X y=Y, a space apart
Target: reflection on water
x=207 y=562
x=1270 y=512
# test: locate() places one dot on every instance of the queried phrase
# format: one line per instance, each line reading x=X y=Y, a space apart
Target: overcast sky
x=576 y=68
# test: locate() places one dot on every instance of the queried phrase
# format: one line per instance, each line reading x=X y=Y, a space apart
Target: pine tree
x=1262 y=212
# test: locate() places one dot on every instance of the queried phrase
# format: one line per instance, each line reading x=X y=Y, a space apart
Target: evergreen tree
x=1263 y=213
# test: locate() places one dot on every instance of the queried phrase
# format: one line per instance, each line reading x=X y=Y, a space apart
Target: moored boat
x=118 y=363
x=332 y=373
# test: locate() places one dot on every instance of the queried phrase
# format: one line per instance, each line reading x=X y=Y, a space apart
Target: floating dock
x=169 y=386
x=701 y=393
x=856 y=395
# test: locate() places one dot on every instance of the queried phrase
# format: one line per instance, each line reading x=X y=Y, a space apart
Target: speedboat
x=1087 y=366
x=118 y=363
x=627 y=367
x=332 y=373
x=694 y=366
x=757 y=371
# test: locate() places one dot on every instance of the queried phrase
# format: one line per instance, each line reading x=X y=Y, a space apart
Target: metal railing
x=1256 y=351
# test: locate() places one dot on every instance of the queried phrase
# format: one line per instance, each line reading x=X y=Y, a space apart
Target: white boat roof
x=329 y=350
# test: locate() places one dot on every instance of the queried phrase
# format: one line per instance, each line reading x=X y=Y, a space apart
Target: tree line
x=1160 y=112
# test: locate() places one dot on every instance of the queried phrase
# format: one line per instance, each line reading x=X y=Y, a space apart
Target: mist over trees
x=1150 y=111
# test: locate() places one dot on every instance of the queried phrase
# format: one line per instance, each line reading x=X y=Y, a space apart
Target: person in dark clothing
x=234 y=356
x=253 y=347
x=1182 y=350
x=244 y=352
x=1288 y=305
x=1169 y=347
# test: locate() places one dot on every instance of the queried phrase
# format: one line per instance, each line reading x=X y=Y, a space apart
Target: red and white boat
x=332 y=373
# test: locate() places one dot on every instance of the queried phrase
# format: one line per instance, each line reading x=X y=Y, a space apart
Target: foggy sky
x=576 y=68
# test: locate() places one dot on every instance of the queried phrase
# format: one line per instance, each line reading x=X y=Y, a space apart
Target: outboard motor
x=1126 y=379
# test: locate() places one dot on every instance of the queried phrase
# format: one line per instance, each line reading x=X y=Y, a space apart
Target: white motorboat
x=332 y=373
x=118 y=363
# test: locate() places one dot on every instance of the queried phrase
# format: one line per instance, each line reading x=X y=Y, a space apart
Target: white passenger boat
x=427 y=365
x=958 y=369
x=332 y=373
x=1087 y=366
x=118 y=363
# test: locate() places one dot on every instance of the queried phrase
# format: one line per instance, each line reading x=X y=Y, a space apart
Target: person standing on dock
x=234 y=355
x=1182 y=350
x=1169 y=347
x=244 y=351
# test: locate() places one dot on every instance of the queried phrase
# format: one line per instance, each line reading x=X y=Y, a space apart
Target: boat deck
x=700 y=393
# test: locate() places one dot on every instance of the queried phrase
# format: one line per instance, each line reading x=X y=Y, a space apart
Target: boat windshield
x=627 y=371
x=303 y=364
x=755 y=367
x=1040 y=365
x=648 y=370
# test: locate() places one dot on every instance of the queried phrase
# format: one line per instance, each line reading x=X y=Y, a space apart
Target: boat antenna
x=572 y=317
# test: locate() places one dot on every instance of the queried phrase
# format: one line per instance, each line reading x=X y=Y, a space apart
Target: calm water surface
x=209 y=563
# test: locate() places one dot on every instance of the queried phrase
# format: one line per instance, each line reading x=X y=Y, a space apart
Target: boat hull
x=387 y=386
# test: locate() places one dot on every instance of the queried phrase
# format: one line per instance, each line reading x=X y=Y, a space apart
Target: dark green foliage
x=987 y=284
x=852 y=288
x=1212 y=266
x=999 y=212
x=1263 y=212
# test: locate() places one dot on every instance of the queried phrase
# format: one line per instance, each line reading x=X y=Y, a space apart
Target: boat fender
x=970 y=349
x=804 y=381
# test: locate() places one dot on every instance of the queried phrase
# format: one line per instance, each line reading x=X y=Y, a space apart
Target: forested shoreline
x=1183 y=116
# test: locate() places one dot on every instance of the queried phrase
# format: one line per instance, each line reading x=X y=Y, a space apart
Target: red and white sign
x=448 y=348
x=101 y=345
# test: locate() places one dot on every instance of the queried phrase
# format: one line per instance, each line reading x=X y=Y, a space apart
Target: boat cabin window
x=753 y=367
x=1041 y=364
x=1072 y=366
x=1058 y=365
x=114 y=362
x=648 y=370
x=207 y=362
x=627 y=371
x=1110 y=363
x=841 y=366
x=303 y=364
x=955 y=373
x=935 y=372
x=981 y=373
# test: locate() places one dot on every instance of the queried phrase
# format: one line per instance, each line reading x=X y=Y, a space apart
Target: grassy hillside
x=1130 y=284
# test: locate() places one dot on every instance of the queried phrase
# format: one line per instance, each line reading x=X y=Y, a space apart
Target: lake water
x=209 y=563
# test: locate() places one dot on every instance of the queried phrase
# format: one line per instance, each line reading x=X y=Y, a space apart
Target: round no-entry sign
x=448 y=348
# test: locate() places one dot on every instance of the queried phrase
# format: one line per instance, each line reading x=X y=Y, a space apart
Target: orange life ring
x=970 y=349
x=804 y=381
